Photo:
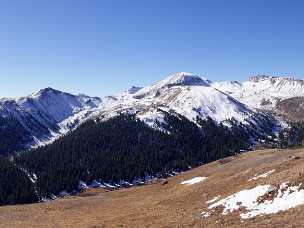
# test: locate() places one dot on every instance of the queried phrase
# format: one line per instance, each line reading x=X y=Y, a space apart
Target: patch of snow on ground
x=216 y=198
x=245 y=198
x=82 y=185
x=262 y=175
x=109 y=185
x=194 y=180
x=207 y=214
x=286 y=197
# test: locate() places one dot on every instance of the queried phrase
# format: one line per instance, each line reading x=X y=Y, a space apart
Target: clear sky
x=100 y=47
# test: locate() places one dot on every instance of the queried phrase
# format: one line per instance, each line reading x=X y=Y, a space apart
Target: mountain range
x=47 y=114
x=54 y=143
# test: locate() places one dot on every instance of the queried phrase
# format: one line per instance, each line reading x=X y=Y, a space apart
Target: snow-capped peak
x=134 y=89
x=181 y=79
x=45 y=91
x=184 y=78
x=187 y=94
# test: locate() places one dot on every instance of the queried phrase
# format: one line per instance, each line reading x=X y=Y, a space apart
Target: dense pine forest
x=13 y=136
x=16 y=186
x=121 y=148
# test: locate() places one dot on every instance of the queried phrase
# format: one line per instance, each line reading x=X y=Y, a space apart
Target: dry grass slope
x=173 y=204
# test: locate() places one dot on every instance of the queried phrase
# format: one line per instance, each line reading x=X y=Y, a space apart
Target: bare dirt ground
x=173 y=204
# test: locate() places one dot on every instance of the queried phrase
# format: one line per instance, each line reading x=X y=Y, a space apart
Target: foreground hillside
x=175 y=204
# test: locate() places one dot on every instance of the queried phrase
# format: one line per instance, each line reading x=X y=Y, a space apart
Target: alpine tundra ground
x=175 y=204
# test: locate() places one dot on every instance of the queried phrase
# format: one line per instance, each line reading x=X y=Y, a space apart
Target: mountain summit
x=184 y=79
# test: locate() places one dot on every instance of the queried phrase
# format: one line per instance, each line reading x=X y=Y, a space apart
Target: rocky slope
x=291 y=109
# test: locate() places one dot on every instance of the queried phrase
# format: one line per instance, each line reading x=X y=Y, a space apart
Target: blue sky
x=101 y=47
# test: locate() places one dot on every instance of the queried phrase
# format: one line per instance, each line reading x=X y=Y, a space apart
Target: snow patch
x=245 y=198
x=109 y=185
x=194 y=180
x=82 y=185
x=216 y=198
x=256 y=177
x=285 y=197
x=207 y=214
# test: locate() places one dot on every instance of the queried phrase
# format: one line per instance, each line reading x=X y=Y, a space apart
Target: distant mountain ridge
x=263 y=91
x=45 y=114
x=49 y=113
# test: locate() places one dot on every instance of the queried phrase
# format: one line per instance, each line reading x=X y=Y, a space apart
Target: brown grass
x=171 y=204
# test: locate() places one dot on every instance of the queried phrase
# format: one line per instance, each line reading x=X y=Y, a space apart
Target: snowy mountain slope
x=186 y=94
x=46 y=113
x=263 y=91
x=190 y=96
x=49 y=113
